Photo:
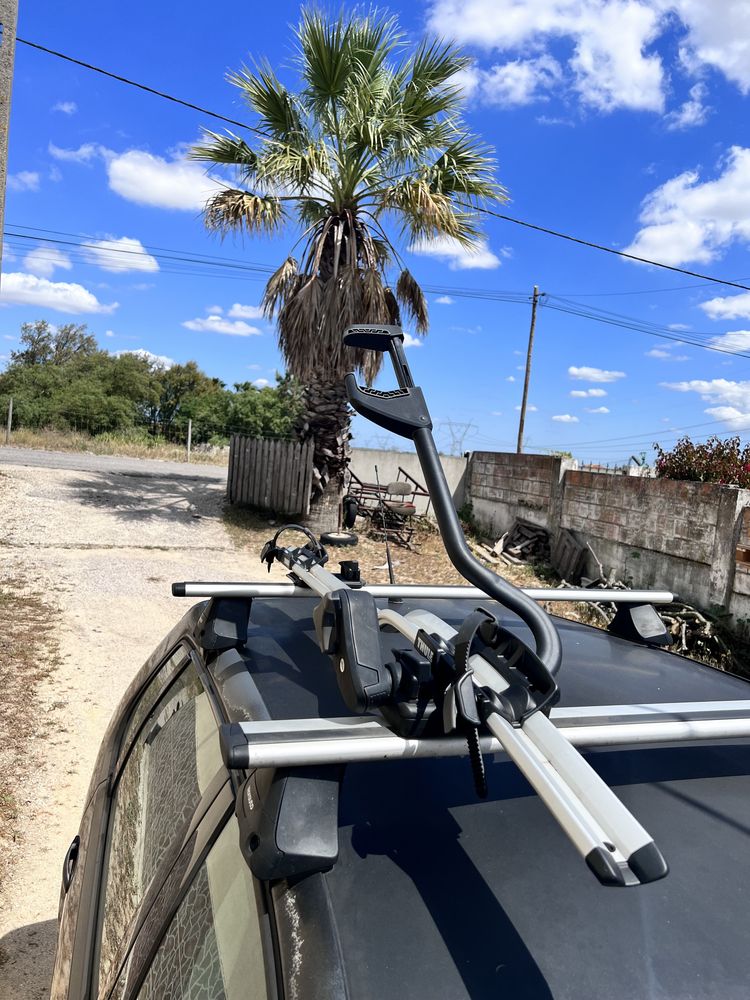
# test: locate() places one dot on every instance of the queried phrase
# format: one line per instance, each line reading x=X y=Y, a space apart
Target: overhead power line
x=618 y=253
x=487 y=211
x=132 y=83
x=228 y=267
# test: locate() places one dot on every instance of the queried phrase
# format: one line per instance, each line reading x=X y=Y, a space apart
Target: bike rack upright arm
x=404 y=412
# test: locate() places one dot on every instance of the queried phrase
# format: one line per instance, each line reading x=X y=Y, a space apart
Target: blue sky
x=626 y=122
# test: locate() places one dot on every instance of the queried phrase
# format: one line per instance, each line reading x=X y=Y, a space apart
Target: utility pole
x=8 y=19
x=522 y=418
x=10 y=420
x=189 y=437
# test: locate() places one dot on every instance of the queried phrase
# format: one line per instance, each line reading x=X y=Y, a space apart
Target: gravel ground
x=102 y=548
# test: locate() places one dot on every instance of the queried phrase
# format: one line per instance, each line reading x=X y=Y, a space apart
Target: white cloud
x=410 y=341
x=86 y=153
x=214 y=310
x=609 y=66
x=66 y=107
x=510 y=378
x=665 y=354
x=27 y=289
x=529 y=409
x=736 y=340
x=612 y=62
x=587 y=374
x=513 y=83
x=42 y=261
x=497 y=413
x=458 y=258
x=8 y=336
x=216 y=324
x=25 y=180
x=151 y=180
x=118 y=255
x=728 y=307
x=565 y=418
x=157 y=360
x=693 y=112
x=254 y=368
x=239 y=311
x=585 y=393
x=730 y=400
x=678 y=326
x=261 y=383
x=109 y=333
x=688 y=220
x=444 y=300
x=718 y=36
x=598 y=409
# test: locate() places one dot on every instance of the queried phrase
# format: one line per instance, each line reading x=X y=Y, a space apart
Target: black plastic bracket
x=346 y=622
x=223 y=624
x=288 y=821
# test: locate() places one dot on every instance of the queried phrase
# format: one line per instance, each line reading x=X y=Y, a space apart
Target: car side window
x=163 y=677
x=212 y=949
x=171 y=764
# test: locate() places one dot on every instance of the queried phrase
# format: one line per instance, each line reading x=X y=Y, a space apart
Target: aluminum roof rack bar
x=423 y=592
x=299 y=742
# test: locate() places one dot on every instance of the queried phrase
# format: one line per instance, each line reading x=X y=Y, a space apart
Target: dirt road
x=103 y=546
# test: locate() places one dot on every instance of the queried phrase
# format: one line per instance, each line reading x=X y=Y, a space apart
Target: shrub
x=714 y=461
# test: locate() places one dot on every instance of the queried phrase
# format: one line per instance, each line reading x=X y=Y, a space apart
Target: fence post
x=190 y=437
x=10 y=420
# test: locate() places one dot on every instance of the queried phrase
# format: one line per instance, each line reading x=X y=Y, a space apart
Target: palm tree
x=372 y=143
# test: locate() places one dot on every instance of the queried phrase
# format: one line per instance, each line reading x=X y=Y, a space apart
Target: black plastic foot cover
x=604 y=866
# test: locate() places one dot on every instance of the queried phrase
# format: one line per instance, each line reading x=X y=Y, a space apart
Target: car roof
x=437 y=894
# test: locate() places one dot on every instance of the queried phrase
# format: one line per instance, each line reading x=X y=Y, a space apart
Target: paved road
x=84 y=462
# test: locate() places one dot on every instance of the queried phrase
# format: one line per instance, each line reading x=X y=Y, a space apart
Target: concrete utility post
x=8 y=19
x=522 y=418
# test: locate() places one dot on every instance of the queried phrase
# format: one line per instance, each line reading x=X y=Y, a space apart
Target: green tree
x=373 y=138
x=43 y=344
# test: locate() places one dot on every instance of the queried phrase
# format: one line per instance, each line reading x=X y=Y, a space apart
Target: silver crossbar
x=297 y=742
x=406 y=591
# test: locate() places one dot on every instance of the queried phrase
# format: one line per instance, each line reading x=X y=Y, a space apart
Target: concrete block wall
x=654 y=532
x=503 y=486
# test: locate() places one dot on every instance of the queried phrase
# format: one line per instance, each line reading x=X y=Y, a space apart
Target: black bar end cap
x=648 y=863
x=233 y=744
x=178 y=590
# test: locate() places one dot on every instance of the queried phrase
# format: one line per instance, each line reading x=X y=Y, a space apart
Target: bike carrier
x=474 y=691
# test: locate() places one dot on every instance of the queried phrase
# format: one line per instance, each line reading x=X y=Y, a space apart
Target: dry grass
x=27 y=625
x=126 y=445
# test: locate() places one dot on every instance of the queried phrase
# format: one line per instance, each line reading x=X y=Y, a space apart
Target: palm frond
x=228 y=149
x=325 y=57
x=279 y=113
x=279 y=286
x=232 y=209
x=411 y=297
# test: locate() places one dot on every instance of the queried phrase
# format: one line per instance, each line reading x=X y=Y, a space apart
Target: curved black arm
x=404 y=412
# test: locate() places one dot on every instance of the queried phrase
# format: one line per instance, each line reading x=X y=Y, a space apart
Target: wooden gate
x=273 y=475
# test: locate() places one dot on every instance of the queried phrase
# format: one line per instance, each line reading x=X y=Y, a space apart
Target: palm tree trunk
x=326 y=420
